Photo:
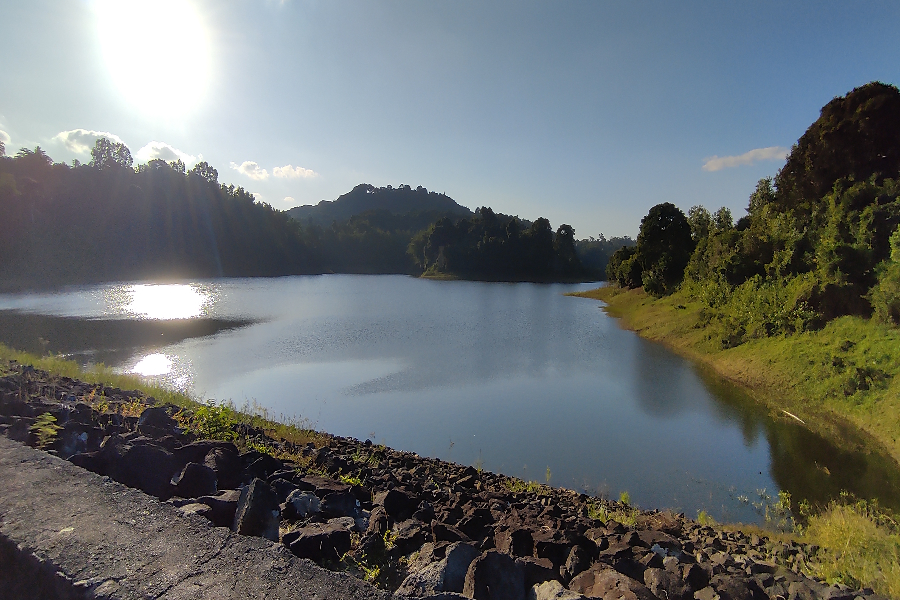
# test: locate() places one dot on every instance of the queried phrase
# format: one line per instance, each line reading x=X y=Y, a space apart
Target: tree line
x=106 y=220
x=820 y=240
x=110 y=220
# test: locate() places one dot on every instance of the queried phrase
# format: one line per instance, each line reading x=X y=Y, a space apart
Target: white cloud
x=251 y=170
x=4 y=137
x=164 y=151
x=80 y=141
x=717 y=163
x=289 y=200
x=291 y=172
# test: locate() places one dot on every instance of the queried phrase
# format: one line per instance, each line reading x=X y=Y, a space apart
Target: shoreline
x=669 y=323
x=386 y=516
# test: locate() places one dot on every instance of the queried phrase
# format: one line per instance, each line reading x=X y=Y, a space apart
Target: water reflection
x=153 y=365
x=166 y=301
x=514 y=375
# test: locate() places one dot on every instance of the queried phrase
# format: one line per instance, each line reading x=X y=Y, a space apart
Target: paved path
x=68 y=533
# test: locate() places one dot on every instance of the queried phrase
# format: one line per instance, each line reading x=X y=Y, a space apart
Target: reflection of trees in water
x=806 y=464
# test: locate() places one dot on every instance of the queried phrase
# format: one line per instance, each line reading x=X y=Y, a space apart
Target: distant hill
x=366 y=197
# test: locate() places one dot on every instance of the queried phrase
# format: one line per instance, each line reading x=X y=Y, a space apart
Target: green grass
x=206 y=419
x=862 y=547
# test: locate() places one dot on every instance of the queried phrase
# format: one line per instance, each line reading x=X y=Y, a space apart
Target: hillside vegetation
x=800 y=299
x=798 y=302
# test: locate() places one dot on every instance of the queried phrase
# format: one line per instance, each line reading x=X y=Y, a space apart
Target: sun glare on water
x=159 y=301
x=157 y=52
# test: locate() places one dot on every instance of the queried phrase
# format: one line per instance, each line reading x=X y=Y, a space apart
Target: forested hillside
x=105 y=221
x=820 y=240
x=366 y=197
x=498 y=247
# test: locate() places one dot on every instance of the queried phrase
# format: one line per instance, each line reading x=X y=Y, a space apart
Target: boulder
x=600 y=581
x=194 y=480
x=156 y=422
x=226 y=463
x=143 y=466
x=445 y=575
x=224 y=506
x=340 y=504
x=495 y=576
x=665 y=584
x=196 y=508
x=398 y=505
x=552 y=590
x=577 y=561
x=303 y=504
x=517 y=542
x=320 y=543
x=257 y=511
x=408 y=536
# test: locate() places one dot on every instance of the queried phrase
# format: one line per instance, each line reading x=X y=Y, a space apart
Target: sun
x=157 y=52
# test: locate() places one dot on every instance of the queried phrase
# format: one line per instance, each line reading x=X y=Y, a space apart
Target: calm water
x=514 y=377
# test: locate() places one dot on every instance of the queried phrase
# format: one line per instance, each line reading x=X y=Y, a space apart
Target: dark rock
x=495 y=576
x=156 y=422
x=665 y=584
x=148 y=468
x=556 y=551
x=695 y=576
x=194 y=480
x=196 y=452
x=378 y=522
x=730 y=587
x=602 y=582
x=577 y=561
x=398 y=505
x=538 y=570
x=517 y=542
x=224 y=506
x=302 y=504
x=92 y=461
x=425 y=512
x=319 y=543
x=197 y=508
x=340 y=504
x=282 y=487
x=321 y=486
x=445 y=575
x=257 y=511
x=552 y=590
x=262 y=467
x=447 y=533
x=226 y=463
x=408 y=536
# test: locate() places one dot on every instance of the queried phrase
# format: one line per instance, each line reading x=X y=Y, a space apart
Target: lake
x=515 y=378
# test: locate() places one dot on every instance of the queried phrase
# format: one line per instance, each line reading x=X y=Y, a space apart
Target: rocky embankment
x=421 y=527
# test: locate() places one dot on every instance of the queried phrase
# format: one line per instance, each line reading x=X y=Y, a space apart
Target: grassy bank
x=206 y=419
x=841 y=381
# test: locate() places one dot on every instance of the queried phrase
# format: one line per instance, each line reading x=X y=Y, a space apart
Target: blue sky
x=585 y=112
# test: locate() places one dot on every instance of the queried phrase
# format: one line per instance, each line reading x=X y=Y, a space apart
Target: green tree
x=855 y=137
x=664 y=247
x=107 y=154
x=701 y=222
x=204 y=170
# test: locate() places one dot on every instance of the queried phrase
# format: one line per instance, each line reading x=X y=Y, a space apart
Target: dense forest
x=820 y=240
x=494 y=246
x=365 y=197
x=106 y=220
